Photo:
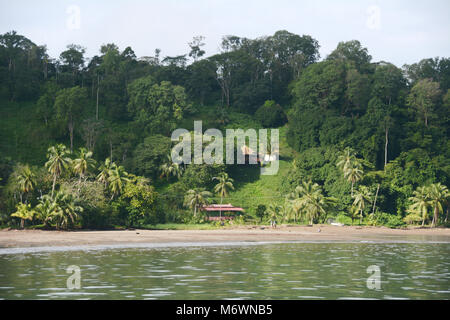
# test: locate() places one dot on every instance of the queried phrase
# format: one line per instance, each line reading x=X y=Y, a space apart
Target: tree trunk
x=436 y=217
x=111 y=150
x=375 y=201
x=386 y=146
x=54 y=183
x=446 y=216
x=352 y=188
x=220 y=211
x=71 y=133
x=98 y=86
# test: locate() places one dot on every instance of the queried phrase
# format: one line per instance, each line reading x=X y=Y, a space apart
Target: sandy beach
x=38 y=238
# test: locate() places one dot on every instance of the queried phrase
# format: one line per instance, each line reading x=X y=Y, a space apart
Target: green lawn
x=252 y=189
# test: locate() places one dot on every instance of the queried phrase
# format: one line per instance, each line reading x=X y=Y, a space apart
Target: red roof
x=223 y=207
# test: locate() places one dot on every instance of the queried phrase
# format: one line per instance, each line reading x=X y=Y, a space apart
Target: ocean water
x=306 y=270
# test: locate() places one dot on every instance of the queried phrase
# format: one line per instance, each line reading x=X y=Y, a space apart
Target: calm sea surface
x=265 y=271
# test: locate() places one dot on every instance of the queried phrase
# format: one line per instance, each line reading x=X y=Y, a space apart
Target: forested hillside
x=84 y=141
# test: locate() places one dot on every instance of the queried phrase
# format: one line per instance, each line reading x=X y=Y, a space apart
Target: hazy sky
x=396 y=31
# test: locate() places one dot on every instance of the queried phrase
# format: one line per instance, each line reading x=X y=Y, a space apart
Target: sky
x=395 y=31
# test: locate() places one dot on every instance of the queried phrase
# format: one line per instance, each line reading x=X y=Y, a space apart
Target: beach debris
x=337 y=224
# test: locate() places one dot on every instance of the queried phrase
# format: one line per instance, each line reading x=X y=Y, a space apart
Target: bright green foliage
x=83 y=163
x=423 y=98
x=24 y=212
x=105 y=169
x=353 y=52
x=420 y=203
x=156 y=106
x=224 y=185
x=46 y=209
x=194 y=199
x=25 y=178
x=142 y=201
x=439 y=196
x=117 y=179
x=66 y=213
x=170 y=168
x=362 y=198
x=310 y=201
x=396 y=121
x=57 y=162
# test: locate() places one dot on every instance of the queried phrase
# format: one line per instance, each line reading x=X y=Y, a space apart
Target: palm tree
x=83 y=163
x=420 y=202
x=105 y=170
x=362 y=197
x=24 y=212
x=46 y=209
x=274 y=212
x=66 y=211
x=354 y=173
x=312 y=201
x=170 y=168
x=117 y=179
x=350 y=166
x=57 y=162
x=353 y=213
x=438 y=195
x=195 y=198
x=26 y=179
x=223 y=186
x=346 y=159
x=286 y=211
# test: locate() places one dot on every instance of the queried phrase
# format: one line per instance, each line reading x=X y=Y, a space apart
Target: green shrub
x=412 y=219
x=343 y=218
x=385 y=219
x=271 y=115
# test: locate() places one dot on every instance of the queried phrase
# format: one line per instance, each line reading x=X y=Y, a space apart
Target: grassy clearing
x=253 y=189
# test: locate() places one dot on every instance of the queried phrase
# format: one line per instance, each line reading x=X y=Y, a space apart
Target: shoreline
x=241 y=234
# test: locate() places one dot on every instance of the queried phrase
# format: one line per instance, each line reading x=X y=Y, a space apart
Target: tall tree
x=70 y=105
x=105 y=171
x=58 y=161
x=420 y=202
x=83 y=163
x=194 y=199
x=438 y=195
x=26 y=179
x=196 y=47
x=66 y=212
x=362 y=197
x=116 y=180
x=222 y=188
x=423 y=98
x=73 y=60
x=23 y=212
